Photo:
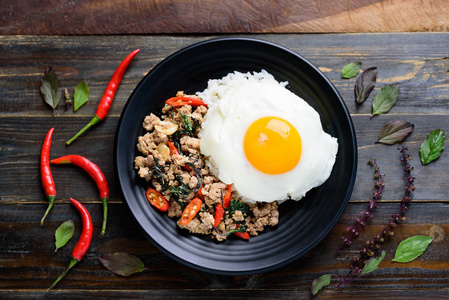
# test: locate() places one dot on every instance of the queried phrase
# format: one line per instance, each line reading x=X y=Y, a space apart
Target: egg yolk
x=272 y=145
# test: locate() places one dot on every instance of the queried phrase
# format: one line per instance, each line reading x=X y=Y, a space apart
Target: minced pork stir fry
x=180 y=179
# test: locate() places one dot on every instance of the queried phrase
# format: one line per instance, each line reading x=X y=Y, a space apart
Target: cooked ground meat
x=181 y=174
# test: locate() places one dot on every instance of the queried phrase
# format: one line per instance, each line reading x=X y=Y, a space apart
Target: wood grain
x=28 y=249
x=175 y=16
x=417 y=62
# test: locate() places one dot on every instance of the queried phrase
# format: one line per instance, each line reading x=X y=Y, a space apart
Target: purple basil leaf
x=50 y=88
x=364 y=85
x=395 y=132
x=122 y=263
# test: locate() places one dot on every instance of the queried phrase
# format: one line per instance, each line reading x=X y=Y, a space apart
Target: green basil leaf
x=432 y=147
x=364 y=85
x=122 y=263
x=50 y=88
x=395 y=132
x=385 y=99
x=64 y=233
x=321 y=282
x=351 y=70
x=81 y=95
x=412 y=247
x=372 y=264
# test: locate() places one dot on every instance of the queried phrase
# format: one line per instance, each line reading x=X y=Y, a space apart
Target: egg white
x=235 y=102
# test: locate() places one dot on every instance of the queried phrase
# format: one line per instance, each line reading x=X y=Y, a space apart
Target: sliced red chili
x=200 y=193
x=157 y=200
x=219 y=214
x=191 y=210
x=227 y=197
x=184 y=100
x=173 y=151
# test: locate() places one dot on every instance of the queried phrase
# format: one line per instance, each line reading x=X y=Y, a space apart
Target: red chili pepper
x=243 y=235
x=46 y=176
x=191 y=210
x=227 y=197
x=94 y=171
x=219 y=214
x=84 y=240
x=200 y=193
x=157 y=200
x=108 y=96
x=184 y=100
x=173 y=151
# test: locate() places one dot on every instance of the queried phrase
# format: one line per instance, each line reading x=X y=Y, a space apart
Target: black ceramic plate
x=302 y=225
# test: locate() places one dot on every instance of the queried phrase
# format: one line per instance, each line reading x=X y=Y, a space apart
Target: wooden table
x=417 y=62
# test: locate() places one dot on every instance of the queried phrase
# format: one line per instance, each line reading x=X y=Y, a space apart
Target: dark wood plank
x=122 y=17
x=421 y=73
x=28 y=249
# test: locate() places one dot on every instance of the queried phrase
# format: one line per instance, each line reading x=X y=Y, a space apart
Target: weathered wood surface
x=418 y=63
x=226 y=16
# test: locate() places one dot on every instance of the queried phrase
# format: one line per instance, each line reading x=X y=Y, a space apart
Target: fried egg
x=263 y=139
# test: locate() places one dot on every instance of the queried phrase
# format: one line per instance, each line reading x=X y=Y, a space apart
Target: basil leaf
x=385 y=99
x=50 y=88
x=81 y=95
x=412 y=247
x=321 y=282
x=351 y=70
x=122 y=263
x=394 y=132
x=64 y=233
x=372 y=264
x=432 y=147
x=364 y=85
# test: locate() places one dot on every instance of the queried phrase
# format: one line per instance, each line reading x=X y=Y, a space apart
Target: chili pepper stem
x=51 y=200
x=73 y=262
x=105 y=214
x=92 y=122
